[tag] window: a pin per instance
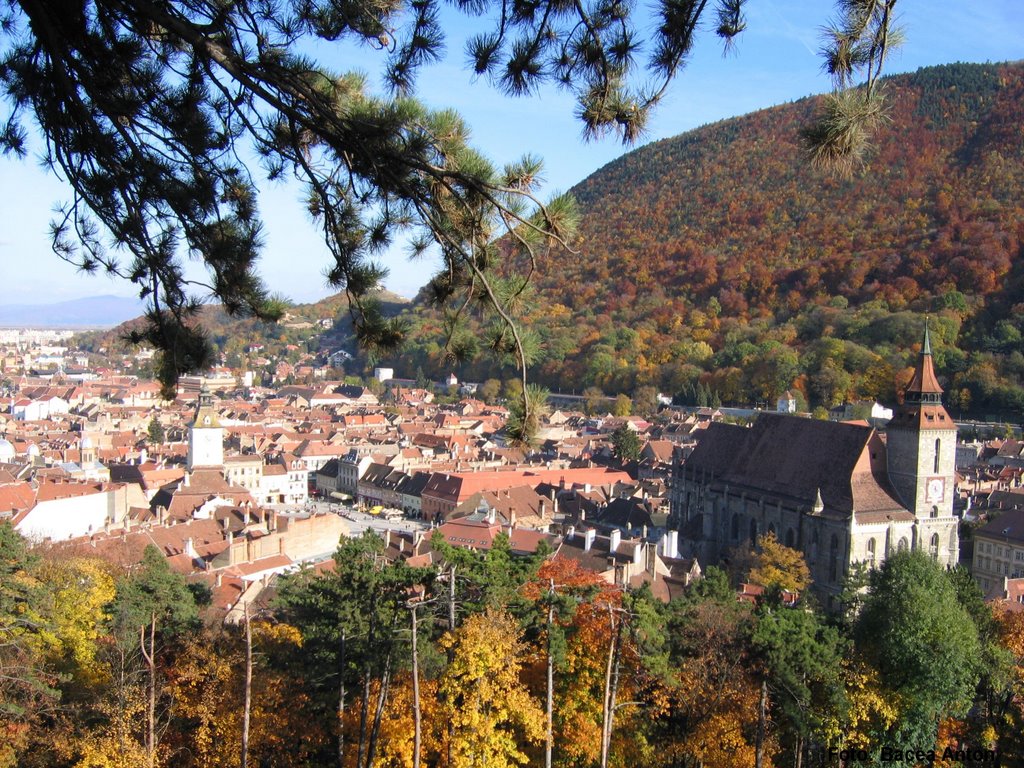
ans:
(789, 538)
(933, 547)
(871, 552)
(833, 558)
(735, 526)
(753, 531)
(904, 545)
(938, 447)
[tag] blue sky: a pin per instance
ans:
(775, 61)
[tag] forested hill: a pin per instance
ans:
(720, 256)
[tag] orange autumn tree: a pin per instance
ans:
(712, 713)
(601, 687)
(565, 593)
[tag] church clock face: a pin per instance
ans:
(935, 490)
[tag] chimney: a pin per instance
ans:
(543, 508)
(588, 539)
(190, 548)
(220, 579)
(570, 533)
(670, 545)
(614, 539)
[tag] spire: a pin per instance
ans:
(924, 386)
(819, 505)
(922, 399)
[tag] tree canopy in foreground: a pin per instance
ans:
(149, 110)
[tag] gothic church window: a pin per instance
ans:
(871, 552)
(938, 446)
(833, 558)
(933, 547)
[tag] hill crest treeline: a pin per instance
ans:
(720, 257)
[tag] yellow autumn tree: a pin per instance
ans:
(80, 590)
(395, 744)
(779, 566)
(207, 686)
(491, 713)
(114, 742)
(872, 709)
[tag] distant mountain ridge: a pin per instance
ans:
(720, 258)
(89, 312)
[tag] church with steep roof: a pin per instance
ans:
(840, 492)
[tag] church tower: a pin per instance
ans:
(205, 435)
(921, 457)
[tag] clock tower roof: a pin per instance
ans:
(206, 415)
(922, 399)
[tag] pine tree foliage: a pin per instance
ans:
(150, 109)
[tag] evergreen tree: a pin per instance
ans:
(924, 644)
(156, 432)
(626, 444)
(147, 108)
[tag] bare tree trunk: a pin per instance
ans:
(364, 707)
(382, 696)
(341, 702)
(759, 744)
(150, 658)
(610, 685)
(416, 738)
(451, 598)
(248, 687)
(613, 694)
(550, 738)
(451, 653)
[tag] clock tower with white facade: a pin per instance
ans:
(921, 458)
(205, 435)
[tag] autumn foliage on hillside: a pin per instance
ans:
(720, 259)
